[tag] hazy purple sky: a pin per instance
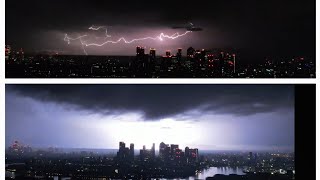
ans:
(211, 117)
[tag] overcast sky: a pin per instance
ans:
(259, 28)
(210, 117)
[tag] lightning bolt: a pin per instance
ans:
(84, 44)
(97, 28)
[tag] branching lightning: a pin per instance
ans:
(84, 44)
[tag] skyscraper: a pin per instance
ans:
(124, 153)
(140, 51)
(132, 151)
(140, 65)
(186, 151)
(122, 145)
(153, 150)
(152, 53)
(173, 148)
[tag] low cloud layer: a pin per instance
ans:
(161, 101)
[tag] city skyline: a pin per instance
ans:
(209, 117)
(261, 29)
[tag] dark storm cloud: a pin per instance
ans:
(160, 101)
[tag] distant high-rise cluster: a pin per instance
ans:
(14, 55)
(167, 153)
(198, 63)
(172, 162)
(146, 154)
(125, 153)
(172, 152)
(7, 52)
(18, 148)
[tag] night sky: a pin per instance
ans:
(256, 28)
(209, 117)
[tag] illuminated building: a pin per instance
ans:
(140, 64)
(203, 53)
(21, 55)
(178, 155)
(174, 147)
(7, 51)
(140, 51)
(193, 155)
(199, 62)
(151, 63)
(19, 148)
(221, 63)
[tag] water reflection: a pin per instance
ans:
(215, 170)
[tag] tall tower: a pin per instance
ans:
(153, 150)
(122, 145)
(152, 53)
(186, 151)
(162, 148)
(140, 51)
(132, 151)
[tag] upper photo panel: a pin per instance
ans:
(160, 39)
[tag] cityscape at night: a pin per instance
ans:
(23, 162)
(216, 63)
(176, 39)
(137, 132)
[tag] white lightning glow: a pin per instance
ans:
(97, 28)
(84, 44)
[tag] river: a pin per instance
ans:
(205, 173)
(214, 170)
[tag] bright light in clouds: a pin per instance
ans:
(145, 132)
(43, 124)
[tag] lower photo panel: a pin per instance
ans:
(160, 131)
